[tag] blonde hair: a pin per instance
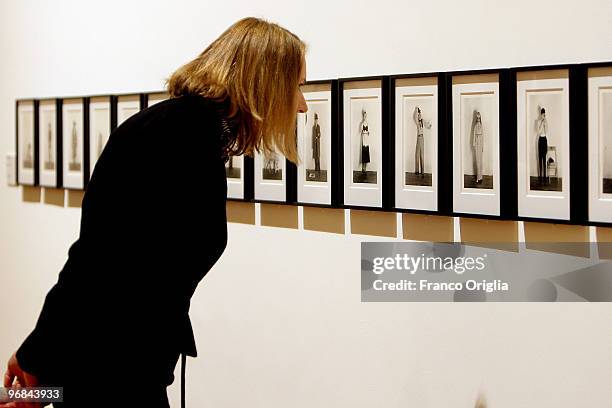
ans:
(254, 66)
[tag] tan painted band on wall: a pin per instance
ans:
(432, 228)
(75, 198)
(377, 223)
(97, 99)
(54, 196)
(31, 194)
(600, 72)
(545, 74)
(537, 234)
(73, 100)
(496, 234)
(419, 81)
(279, 215)
(128, 98)
(240, 212)
(159, 95)
(316, 87)
(475, 79)
(324, 219)
(375, 83)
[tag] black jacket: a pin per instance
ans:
(153, 223)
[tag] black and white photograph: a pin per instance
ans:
(600, 144)
(47, 137)
(234, 173)
(365, 169)
(416, 143)
(544, 158)
(362, 143)
(476, 144)
(26, 142)
(270, 174)
(543, 145)
(606, 142)
(127, 105)
(233, 167)
(272, 169)
(73, 143)
(314, 135)
(99, 128)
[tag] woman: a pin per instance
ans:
(477, 144)
(365, 147)
(112, 327)
(542, 146)
(419, 153)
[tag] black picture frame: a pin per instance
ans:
(577, 92)
(336, 177)
(35, 167)
(57, 102)
(443, 152)
(112, 121)
(386, 183)
(116, 100)
(503, 119)
(85, 145)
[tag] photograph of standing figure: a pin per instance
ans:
(542, 131)
(416, 143)
(50, 162)
(365, 135)
(477, 144)
(546, 153)
(476, 131)
(28, 159)
(271, 169)
(419, 153)
(75, 164)
(231, 169)
(316, 174)
(364, 176)
(316, 143)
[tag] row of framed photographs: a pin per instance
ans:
(514, 143)
(58, 141)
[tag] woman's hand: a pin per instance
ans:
(16, 377)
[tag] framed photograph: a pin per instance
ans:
(26, 143)
(543, 144)
(362, 140)
(315, 135)
(127, 105)
(156, 97)
(600, 144)
(50, 146)
(99, 127)
(476, 178)
(73, 143)
(234, 173)
(270, 177)
(416, 143)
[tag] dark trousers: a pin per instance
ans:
(542, 150)
(118, 392)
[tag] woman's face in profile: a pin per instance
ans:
(301, 102)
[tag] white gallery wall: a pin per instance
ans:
(277, 325)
